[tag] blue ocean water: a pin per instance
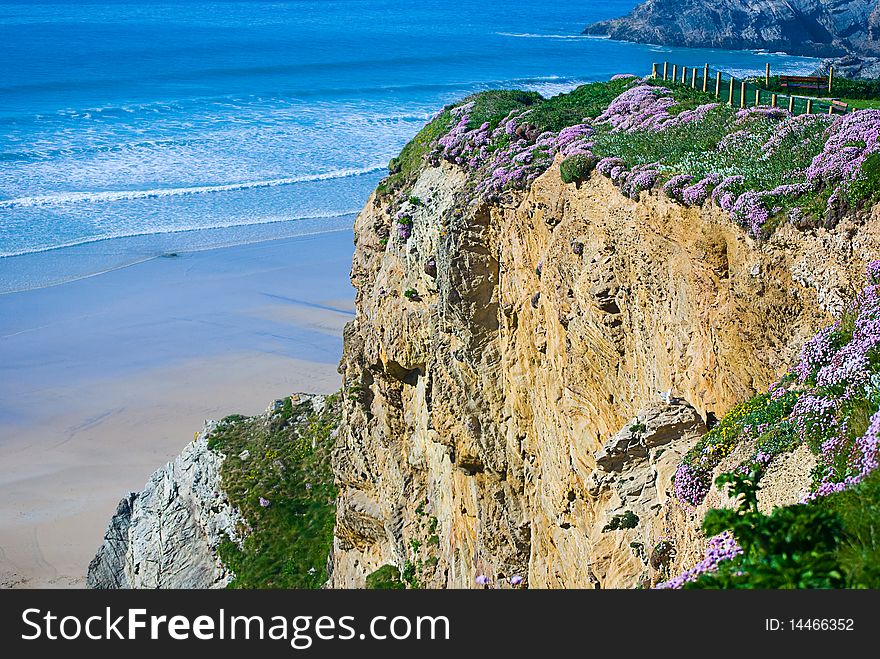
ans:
(131, 129)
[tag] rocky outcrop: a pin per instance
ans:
(851, 66)
(493, 421)
(813, 28)
(167, 535)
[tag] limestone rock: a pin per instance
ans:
(167, 535)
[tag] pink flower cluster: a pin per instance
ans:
(575, 140)
(762, 112)
(692, 484)
(851, 138)
(515, 165)
(630, 181)
(795, 130)
(646, 107)
(842, 367)
(696, 194)
(721, 547)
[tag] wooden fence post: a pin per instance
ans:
(791, 104)
(757, 97)
(654, 70)
(694, 78)
(705, 78)
(730, 98)
(767, 75)
(772, 100)
(665, 70)
(830, 77)
(742, 94)
(809, 106)
(831, 109)
(675, 73)
(717, 84)
(684, 75)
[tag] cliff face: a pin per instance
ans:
(815, 28)
(167, 535)
(502, 414)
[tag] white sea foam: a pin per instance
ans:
(183, 229)
(529, 35)
(64, 198)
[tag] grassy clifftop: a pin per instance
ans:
(762, 165)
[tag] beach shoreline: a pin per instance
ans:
(105, 379)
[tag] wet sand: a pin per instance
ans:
(105, 379)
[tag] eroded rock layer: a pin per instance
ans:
(503, 375)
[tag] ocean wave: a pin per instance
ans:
(183, 229)
(529, 35)
(65, 198)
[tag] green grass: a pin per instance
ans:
(861, 104)
(493, 106)
(386, 577)
(586, 101)
(289, 465)
(843, 88)
(859, 550)
(404, 169)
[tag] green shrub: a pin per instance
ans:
(793, 547)
(577, 168)
(626, 520)
(866, 188)
(493, 106)
(386, 577)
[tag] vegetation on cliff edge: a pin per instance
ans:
(830, 403)
(277, 472)
(762, 165)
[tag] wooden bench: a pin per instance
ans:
(809, 82)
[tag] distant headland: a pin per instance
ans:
(845, 32)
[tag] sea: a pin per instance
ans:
(132, 130)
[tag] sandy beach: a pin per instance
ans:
(105, 379)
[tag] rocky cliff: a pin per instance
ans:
(248, 504)
(504, 372)
(167, 535)
(813, 28)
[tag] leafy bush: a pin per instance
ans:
(386, 577)
(793, 547)
(577, 168)
(626, 520)
(859, 550)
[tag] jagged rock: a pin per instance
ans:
(850, 66)
(813, 28)
(167, 535)
(653, 427)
